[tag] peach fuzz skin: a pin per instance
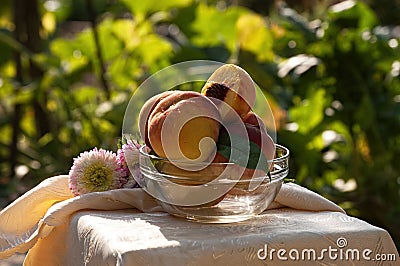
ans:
(145, 112)
(252, 118)
(234, 86)
(177, 107)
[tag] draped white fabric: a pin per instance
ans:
(128, 227)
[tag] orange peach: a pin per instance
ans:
(234, 86)
(184, 126)
(253, 119)
(191, 178)
(145, 112)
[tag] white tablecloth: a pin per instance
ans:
(128, 237)
(128, 227)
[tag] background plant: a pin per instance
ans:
(331, 74)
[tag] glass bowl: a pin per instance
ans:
(217, 193)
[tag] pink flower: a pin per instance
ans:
(122, 163)
(128, 159)
(95, 170)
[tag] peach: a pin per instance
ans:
(253, 119)
(145, 112)
(184, 126)
(245, 173)
(258, 136)
(191, 178)
(234, 86)
(261, 162)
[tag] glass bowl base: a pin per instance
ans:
(232, 208)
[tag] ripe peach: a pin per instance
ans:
(258, 136)
(253, 119)
(184, 126)
(245, 173)
(258, 164)
(145, 112)
(234, 86)
(193, 178)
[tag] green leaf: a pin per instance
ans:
(356, 14)
(125, 31)
(365, 113)
(215, 27)
(153, 48)
(254, 36)
(85, 94)
(143, 8)
(310, 112)
(244, 152)
(72, 54)
(111, 47)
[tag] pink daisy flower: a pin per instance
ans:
(95, 170)
(127, 156)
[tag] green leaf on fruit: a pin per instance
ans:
(244, 152)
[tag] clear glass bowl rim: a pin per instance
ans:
(275, 160)
(275, 175)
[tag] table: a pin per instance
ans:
(129, 227)
(278, 236)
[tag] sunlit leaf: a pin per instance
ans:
(49, 22)
(110, 46)
(124, 30)
(123, 69)
(310, 112)
(61, 48)
(85, 41)
(149, 6)
(254, 36)
(85, 94)
(152, 48)
(70, 54)
(215, 27)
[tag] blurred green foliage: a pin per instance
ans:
(331, 76)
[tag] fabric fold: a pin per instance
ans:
(49, 204)
(297, 197)
(21, 220)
